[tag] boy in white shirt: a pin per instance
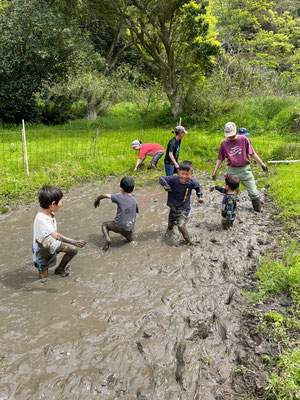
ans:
(47, 242)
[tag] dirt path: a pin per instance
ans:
(158, 320)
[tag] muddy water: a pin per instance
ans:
(157, 320)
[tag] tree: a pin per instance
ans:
(36, 47)
(172, 35)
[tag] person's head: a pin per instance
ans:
(136, 145)
(127, 184)
(50, 197)
(180, 132)
(231, 182)
(185, 171)
(243, 132)
(230, 130)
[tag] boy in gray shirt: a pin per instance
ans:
(126, 214)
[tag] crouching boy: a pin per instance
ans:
(47, 242)
(126, 214)
(179, 190)
(229, 202)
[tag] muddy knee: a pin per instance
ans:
(70, 249)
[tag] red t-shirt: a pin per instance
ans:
(149, 149)
(236, 151)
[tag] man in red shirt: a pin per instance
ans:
(156, 151)
(237, 148)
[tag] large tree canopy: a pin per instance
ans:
(36, 47)
(172, 35)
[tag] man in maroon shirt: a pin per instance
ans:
(156, 151)
(237, 148)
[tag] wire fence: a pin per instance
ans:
(47, 147)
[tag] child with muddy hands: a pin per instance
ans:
(229, 202)
(126, 213)
(47, 242)
(179, 190)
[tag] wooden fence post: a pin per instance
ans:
(96, 139)
(25, 158)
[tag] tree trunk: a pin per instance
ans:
(174, 97)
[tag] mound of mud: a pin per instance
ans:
(157, 320)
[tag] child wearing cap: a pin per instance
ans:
(229, 201)
(172, 153)
(244, 132)
(156, 151)
(237, 148)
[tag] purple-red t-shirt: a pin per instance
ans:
(236, 151)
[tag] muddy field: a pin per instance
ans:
(154, 320)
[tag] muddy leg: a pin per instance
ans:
(43, 274)
(182, 229)
(105, 231)
(127, 234)
(71, 252)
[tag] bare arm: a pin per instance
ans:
(139, 161)
(59, 236)
(260, 162)
(173, 159)
(218, 163)
(101, 197)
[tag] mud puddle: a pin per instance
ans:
(157, 320)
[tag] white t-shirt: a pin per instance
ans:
(43, 226)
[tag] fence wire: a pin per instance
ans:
(47, 148)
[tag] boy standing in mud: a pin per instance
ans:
(179, 190)
(229, 201)
(126, 214)
(47, 242)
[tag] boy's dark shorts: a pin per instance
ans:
(178, 215)
(45, 264)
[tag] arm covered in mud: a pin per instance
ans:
(198, 191)
(74, 242)
(219, 188)
(218, 164)
(164, 181)
(101, 197)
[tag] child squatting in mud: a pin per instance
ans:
(47, 242)
(229, 202)
(179, 190)
(126, 214)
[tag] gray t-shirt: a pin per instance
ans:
(127, 209)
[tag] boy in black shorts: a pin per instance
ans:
(229, 202)
(179, 190)
(126, 213)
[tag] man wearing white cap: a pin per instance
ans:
(237, 148)
(156, 151)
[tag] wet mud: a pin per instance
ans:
(155, 320)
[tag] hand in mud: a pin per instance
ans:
(80, 243)
(168, 188)
(265, 168)
(97, 202)
(211, 189)
(214, 177)
(200, 200)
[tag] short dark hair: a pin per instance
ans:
(127, 184)
(186, 166)
(48, 194)
(232, 181)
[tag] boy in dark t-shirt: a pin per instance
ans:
(126, 214)
(179, 190)
(229, 202)
(172, 153)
